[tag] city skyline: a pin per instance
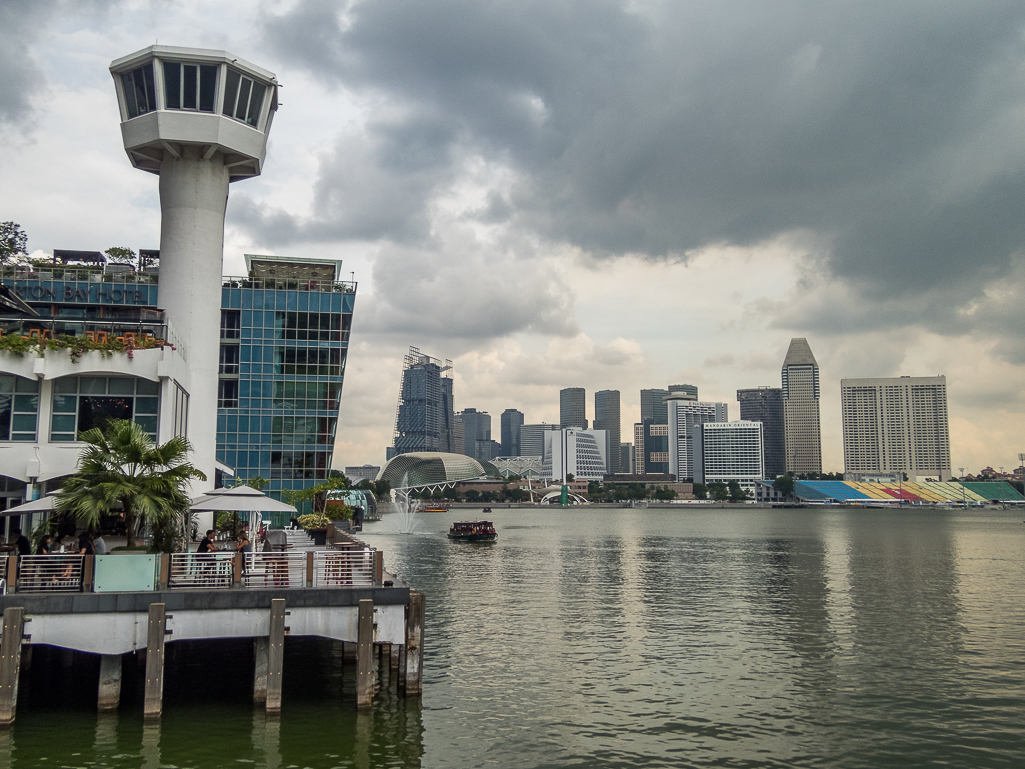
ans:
(468, 210)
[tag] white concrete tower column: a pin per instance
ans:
(199, 119)
(193, 196)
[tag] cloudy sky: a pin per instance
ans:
(612, 195)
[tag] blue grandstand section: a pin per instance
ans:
(806, 491)
(838, 490)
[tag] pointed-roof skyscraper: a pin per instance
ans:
(801, 409)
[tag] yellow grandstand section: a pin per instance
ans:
(871, 490)
(922, 491)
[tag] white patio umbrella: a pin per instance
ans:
(43, 504)
(241, 499)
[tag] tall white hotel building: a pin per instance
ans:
(896, 425)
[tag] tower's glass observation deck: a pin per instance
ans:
(172, 96)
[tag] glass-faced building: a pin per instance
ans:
(284, 334)
(284, 339)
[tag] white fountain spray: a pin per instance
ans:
(407, 507)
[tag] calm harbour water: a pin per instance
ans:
(628, 638)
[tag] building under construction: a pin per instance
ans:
(424, 419)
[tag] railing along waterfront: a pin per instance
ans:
(342, 567)
(275, 570)
(210, 571)
(49, 573)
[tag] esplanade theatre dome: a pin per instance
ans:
(427, 468)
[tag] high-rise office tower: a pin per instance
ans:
(896, 425)
(477, 435)
(458, 436)
(573, 407)
(684, 414)
(448, 414)
(803, 435)
(512, 421)
(420, 419)
(651, 447)
(626, 458)
(639, 431)
(691, 391)
(653, 407)
(532, 439)
(606, 417)
(765, 405)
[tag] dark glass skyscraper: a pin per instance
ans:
(512, 421)
(765, 405)
(653, 406)
(477, 435)
(607, 417)
(573, 407)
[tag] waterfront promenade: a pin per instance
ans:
(120, 605)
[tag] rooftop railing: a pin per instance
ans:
(78, 274)
(152, 277)
(141, 333)
(290, 284)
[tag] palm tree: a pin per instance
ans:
(122, 465)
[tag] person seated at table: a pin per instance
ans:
(99, 545)
(21, 542)
(85, 545)
(43, 548)
(206, 545)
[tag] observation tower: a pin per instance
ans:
(198, 119)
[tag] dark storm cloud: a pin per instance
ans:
(20, 76)
(891, 130)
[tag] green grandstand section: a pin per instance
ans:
(995, 491)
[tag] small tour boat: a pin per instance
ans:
(473, 531)
(435, 507)
(486, 510)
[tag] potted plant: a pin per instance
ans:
(316, 525)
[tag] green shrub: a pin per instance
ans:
(314, 521)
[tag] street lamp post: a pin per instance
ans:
(964, 502)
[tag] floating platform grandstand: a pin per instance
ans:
(926, 493)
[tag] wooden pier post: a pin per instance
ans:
(275, 654)
(10, 662)
(393, 652)
(109, 694)
(414, 644)
(260, 650)
(365, 655)
(153, 700)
